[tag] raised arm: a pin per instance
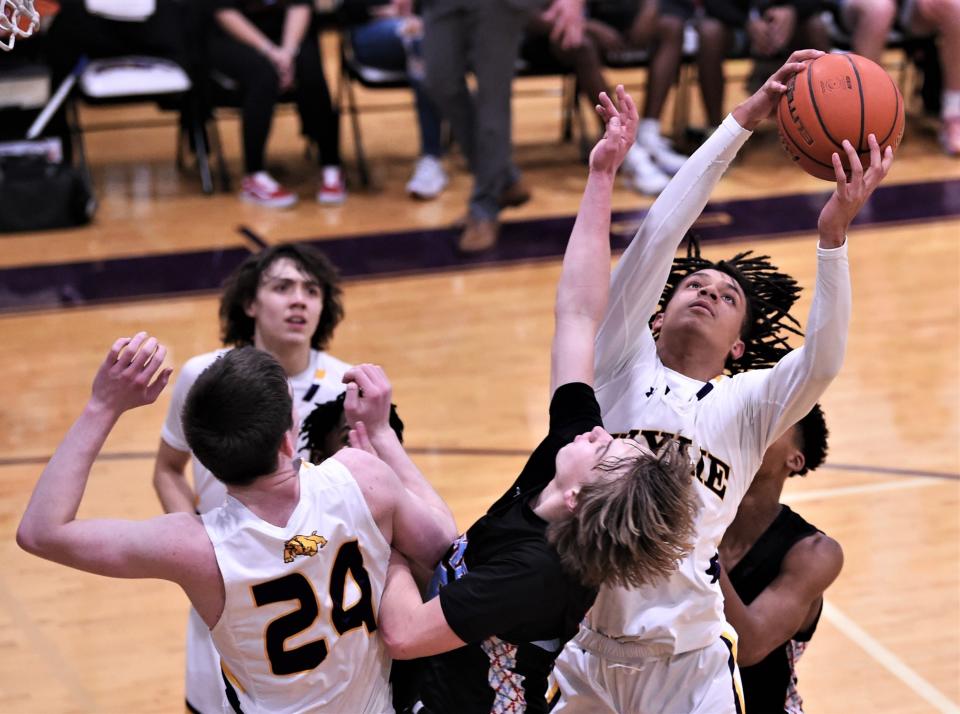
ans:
(784, 394)
(639, 277)
(789, 604)
(584, 284)
(49, 527)
(367, 404)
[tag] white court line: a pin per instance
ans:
(789, 498)
(897, 667)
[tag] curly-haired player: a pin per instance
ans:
(776, 567)
(667, 648)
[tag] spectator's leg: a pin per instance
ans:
(664, 65)
(944, 16)
(715, 40)
(320, 121)
(498, 29)
(585, 61)
(446, 42)
(259, 87)
(869, 23)
(378, 44)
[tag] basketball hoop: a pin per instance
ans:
(18, 18)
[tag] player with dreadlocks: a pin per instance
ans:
(712, 368)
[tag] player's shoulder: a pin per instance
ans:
(366, 469)
(333, 366)
(192, 368)
(818, 553)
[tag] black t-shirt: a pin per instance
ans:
(766, 683)
(503, 591)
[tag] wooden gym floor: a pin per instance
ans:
(468, 353)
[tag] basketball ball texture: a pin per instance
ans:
(837, 97)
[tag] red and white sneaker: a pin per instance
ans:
(261, 189)
(333, 190)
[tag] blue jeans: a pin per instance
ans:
(378, 44)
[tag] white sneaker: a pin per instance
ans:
(646, 177)
(428, 180)
(662, 153)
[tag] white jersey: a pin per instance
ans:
(728, 422)
(298, 629)
(318, 383)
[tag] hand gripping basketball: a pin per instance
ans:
(835, 98)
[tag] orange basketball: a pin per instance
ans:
(837, 97)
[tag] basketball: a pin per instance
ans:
(837, 97)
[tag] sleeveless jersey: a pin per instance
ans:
(726, 423)
(319, 383)
(771, 684)
(298, 629)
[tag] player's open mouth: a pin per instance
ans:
(700, 304)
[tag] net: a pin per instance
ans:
(18, 18)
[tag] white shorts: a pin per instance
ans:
(704, 681)
(204, 684)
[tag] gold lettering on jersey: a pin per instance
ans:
(305, 545)
(709, 470)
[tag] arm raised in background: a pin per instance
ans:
(584, 285)
(367, 410)
(638, 280)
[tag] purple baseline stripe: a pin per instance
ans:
(419, 251)
(72, 284)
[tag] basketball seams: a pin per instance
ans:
(896, 112)
(787, 135)
(863, 106)
(816, 109)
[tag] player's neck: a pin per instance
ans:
(293, 358)
(692, 360)
(548, 504)
(272, 498)
(757, 512)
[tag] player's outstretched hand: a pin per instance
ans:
(618, 137)
(852, 192)
(368, 397)
(763, 103)
(125, 380)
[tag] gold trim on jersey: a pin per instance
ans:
(230, 676)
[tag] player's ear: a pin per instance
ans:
(570, 498)
(288, 447)
(796, 461)
(736, 352)
(657, 322)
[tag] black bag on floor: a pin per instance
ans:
(38, 194)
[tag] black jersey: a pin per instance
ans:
(771, 684)
(503, 591)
